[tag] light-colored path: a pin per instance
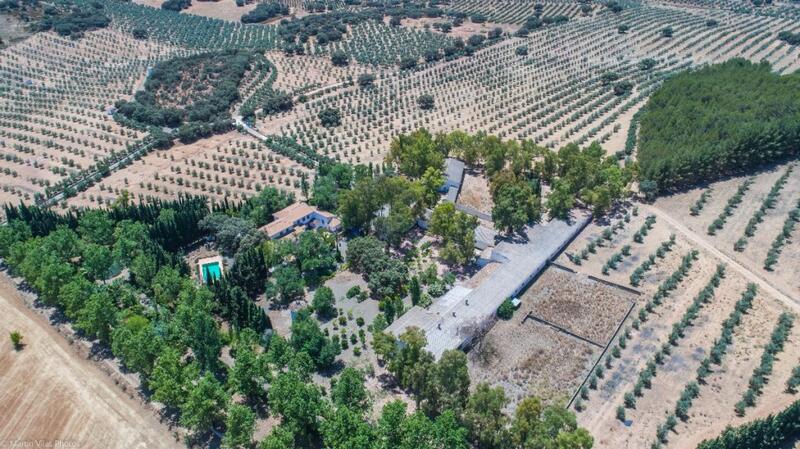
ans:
(763, 285)
(51, 395)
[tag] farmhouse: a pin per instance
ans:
(297, 215)
(462, 315)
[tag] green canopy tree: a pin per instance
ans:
(239, 426)
(204, 408)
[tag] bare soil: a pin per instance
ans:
(475, 192)
(52, 394)
(786, 274)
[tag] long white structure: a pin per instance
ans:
(456, 319)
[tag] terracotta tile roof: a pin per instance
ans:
(294, 212)
(285, 218)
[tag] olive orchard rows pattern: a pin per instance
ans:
(552, 92)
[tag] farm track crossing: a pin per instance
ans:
(793, 304)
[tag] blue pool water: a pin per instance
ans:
(211, 271)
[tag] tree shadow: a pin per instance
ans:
(331, 371)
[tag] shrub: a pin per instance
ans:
(340, 58)
(366, 79)
(506, 310)
(425, 102)
(16, 340)
(353, 291)
(330, 117)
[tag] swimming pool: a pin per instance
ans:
(211, 271)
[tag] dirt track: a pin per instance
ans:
(50, 395)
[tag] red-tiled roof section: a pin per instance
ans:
(285, 218)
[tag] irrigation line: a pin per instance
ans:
(563, 267)
(560, 329)
(613, 337)
(614, 284)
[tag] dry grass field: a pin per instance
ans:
(578, 304)
(531, 359)
(52, 394)
(542, 359)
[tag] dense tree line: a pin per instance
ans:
(717, 121)
(265, 11)
(65, 18)
(772, 432)
(172, 224)
(176, 5)
(192, 93)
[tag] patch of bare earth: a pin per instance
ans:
(475, 192)
(529, 358)
(51, 394)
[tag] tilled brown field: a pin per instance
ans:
(50, 395)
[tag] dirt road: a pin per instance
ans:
(763, 285)
(51, 395)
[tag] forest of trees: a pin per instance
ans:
(166, 327)
(198, 111)
(717, 121)
(65, 17)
